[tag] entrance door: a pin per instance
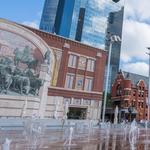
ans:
(77, 113)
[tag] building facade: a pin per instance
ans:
(81, 20)
(68, 76)
(129, 93)
(78, 78)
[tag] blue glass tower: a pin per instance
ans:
(49, 15)
(57, 16)
(115, 23)
(81, 20)
(114, 26)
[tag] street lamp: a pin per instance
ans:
(112, 39)
(148, 117)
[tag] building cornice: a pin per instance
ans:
(74, 90)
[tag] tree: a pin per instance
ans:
(108, 101)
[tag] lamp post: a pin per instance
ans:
(112, 39)
(148, 103)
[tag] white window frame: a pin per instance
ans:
(91, 65)
(69, 81)
(72, 61)
(88, 84)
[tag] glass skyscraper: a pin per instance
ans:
(57, 16)
(81, 20)
(114, 26)
(49, 15)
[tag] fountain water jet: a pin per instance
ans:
(116, 115)
(68, 141)
(66, 110)
(133, 133)
(56, 109)
(6, 145)
(32, 131)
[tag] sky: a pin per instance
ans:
(136, 28)
(27, 12)
(136, 37)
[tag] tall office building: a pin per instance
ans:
(57, 16)
(115, 23)
(81, 20)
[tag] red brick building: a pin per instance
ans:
(68, 75)
(129, 92)
(77, 77)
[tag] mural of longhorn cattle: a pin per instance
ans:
(20, 62)
(18, 81)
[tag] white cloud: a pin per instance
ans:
(88, 42)
(99, 24)
(102, 4)
(33, 24)
(137, 67)
(138, 9)
(125, 58)
(136, 37)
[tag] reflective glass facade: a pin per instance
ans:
(115, 23)
(82, 20)
(95, 20)
(49, 15)
(57, 16)
(65, 11)
(95, 23)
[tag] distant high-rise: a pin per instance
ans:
(115, 23)
(81, 20)
(49, 15)
(57, 16)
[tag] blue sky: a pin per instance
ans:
(22, 11)
(136, 30)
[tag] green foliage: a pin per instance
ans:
(108, 101)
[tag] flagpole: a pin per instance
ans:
(148, 111)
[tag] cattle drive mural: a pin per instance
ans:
(20, 63)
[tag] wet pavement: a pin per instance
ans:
(82, 139)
